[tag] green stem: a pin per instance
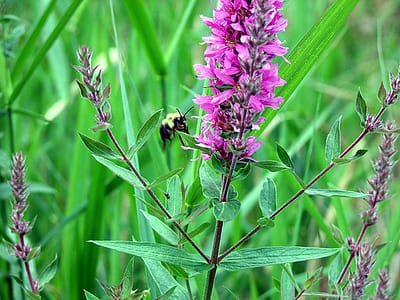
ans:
(300, 192)
(226, 181)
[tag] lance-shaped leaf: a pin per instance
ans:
(287, 283)
(267, 256)
(158, 252)
(98, 148)
(166, 176)
(190, 142)
(90, 296)
(333, 143)
(162, 229)
(268, 197)
(284, 156)
(361, 108)
(382, 93)
(48, 273)
(194, 194)
(145, 132)
(125, 174)
(271, 165)
(335, 193)
(360, 153)
(174, 202)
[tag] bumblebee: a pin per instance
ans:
(172, 123)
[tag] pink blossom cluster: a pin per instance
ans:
(241, 75)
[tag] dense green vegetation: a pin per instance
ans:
(75, 199)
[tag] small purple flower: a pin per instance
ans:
(241, 75)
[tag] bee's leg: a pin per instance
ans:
(180, 138)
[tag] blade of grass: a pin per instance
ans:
(32, 41)
(147, 35)
(145, 230)
(307, 52)
(43, 50)
(179, 31)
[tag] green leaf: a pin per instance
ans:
(284, 156)
(162, 229)
(125, 174)
(298, 178)
(332, 145)
(98, 148)
(226, 211)
(287, 286)
(241, 171)
(268, 256)
(271, 165)
(360, 153)
(266, 221)
(199, 229)
(49, 272)
(195, 212)
(101, 127)
(337, 234)
(191, 142)
(361, 108)
(334, 193)
(90, 296)
(194, 194)
(382, 93)
(127, 280)
(315, 277)
(40, 188)
(145, 132)
(174, 202)
(165, 281)
(167, 294)
(217, 164)
(334, 270)
(35, 251)
(268, 197)
(164, 177)
(158, 252)
(210, 181)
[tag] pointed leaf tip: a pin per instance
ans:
(333, 141)
(284, 156)
(361, 108)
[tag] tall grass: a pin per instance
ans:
(41, 114)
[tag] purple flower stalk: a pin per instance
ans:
(382, 287)
(19, 205)
(364, 263)
(91, 87)
(383, 166)
(241, 75)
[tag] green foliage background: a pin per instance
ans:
(80, 200)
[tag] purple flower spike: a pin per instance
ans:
(241, 75)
